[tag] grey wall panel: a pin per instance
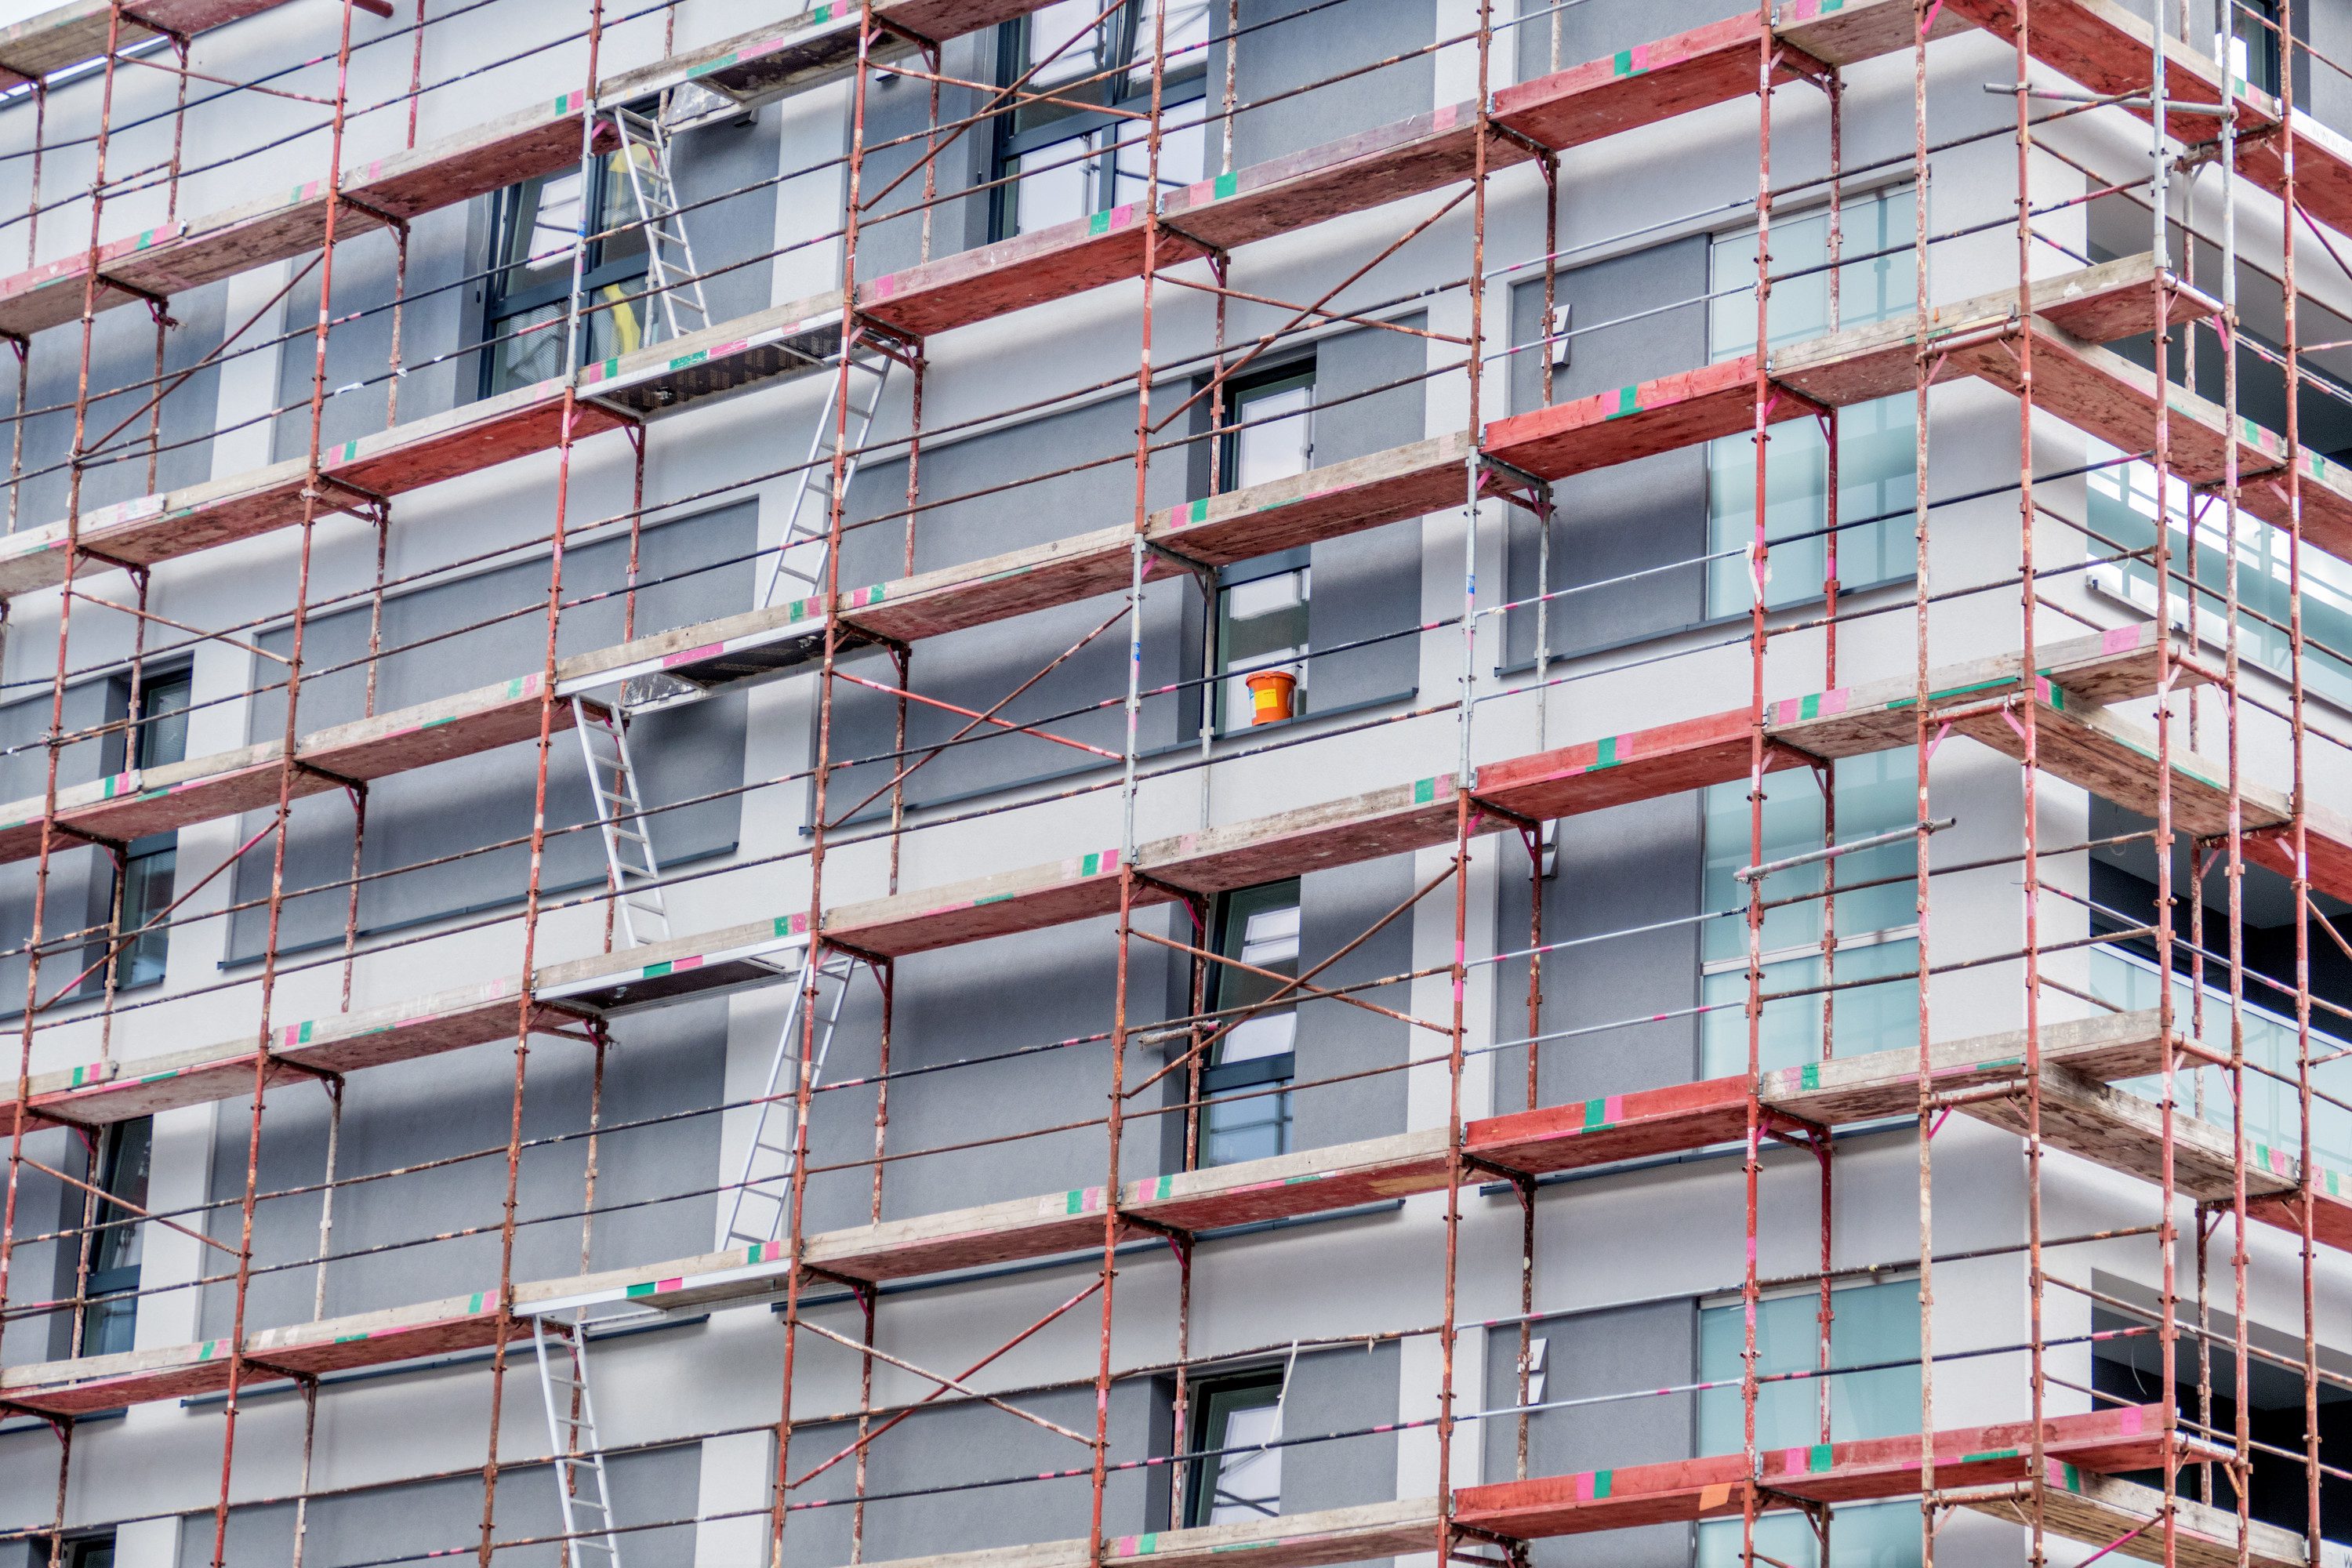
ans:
(1597, 28)
(44, 1270)
(1591, 1353)
(979, 1000)
(1633, 516)
(444, 1516)
(978, 667)
(1340, 1391)
(1338, 907)
(897, 108)
(681, 756)
(731, 167)
(122, 355)
(1630, 865)
(1367, 584)
(358, 349)
(1273, 59)
(81, 880)
(947, 1447)
(665, 1061)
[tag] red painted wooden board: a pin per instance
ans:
(1636, 87)
(2129, 1437)
(1669, 1121)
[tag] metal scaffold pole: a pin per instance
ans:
(315, 498)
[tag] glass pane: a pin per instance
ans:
(1875, 1535)
(1260, 927)
(1256, 1127)
(1056, 184)
(544, 214)
(1872, 286)
(1054, 55)
(2122, 516)
(1181, 150)
(1875, 794)
(125, 1176)
(109, 1325)
(621, 218)
(1865, 1017)
(1875, 444)
(1274, 439)
(1876, 453)
(534, 350)
(617, 327)
(2130, 981)
(1261, 624)
(1188, 27)
(1248, 1486)
(163, 720)
(146, 893)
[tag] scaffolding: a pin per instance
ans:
(2113, 709)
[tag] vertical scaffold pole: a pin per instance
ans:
(804, 1073)
(313, 492)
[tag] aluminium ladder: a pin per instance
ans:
(764, 1188)
(573, 1445)
(671, 269)
(800, 558)
(631, 872)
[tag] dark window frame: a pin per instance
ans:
(1213, 1401)
(118, 1141)
(1107, 102)
(503, 306)
(156, 737)
(1230, 924)
(1277, 378)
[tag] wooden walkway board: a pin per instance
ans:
(49, 41)
(2122, 1132)
(1312, 1540)
(1886, 1083)
(2125, 1438)
(2099, 1511)
(1307, 1182)
(2107, 49)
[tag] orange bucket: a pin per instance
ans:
(1271, 694)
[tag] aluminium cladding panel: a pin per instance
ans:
(417, 1519)
(1636, 869)
(444, 638)
(926, 1475)
(991, 498)
(1289, 44)
(652, 1184)
(1630, 317)
(1589, 1355)
(1016, 993)
(122, 355)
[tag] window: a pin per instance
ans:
(2121, 514)
(1234, 1487)
(156, 736)
(2248, 42)
(1876, 929)
(1872, 1325)
(2131, 981)
(1258, 926)
(1875, 446)
(1262, 604)
(1082, 150)
(531, 226)
(111, 1314)
(90, 1551)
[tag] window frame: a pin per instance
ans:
(501, 305)
(118, 1279)
(1230, 928)
(140, 862)
(1116, 94)
(1291, 376)
(1213, 1402)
